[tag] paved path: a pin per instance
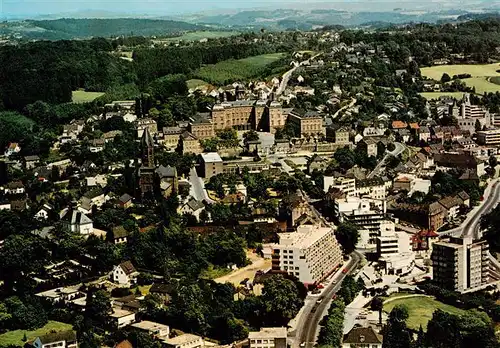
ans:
(350, 105)
(397, 151)
(235, 277)
(286, 76)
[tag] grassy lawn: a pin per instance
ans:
(436, 95)
(199, 35)
(482, 85)
(215, 272)
(477, 70)
(85, 97)
(193, 83)
(16, 337)
(420, 310)
(228, 71)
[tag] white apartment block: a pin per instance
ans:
(346, 185)
(489, 137)
(311, 254)
(268, 337)
(394, 249)
(371, 188)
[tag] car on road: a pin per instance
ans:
(303, 344)
(345, 270)
(319, 301)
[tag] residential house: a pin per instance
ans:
(171, 136)
(12, 149)
(120, 235)
(124, 344)
(97, 145)
(423, 240)
(122, 317)
(61, 294)
(163, 291)
(125, 273)
(94, 197)
(44, 212)
(31, 162)
(317, 163)
(77, 222)
(211, 164)
(14, 188)
(125, 201)
(399, 125)
(437, 214)
(369, 146)
(424, 133)
(373, 188)
(452, 205)
(97, 180)
(362, 337)
(448, 161)
(111, 135)
(152, 328)
(192, 207)
(61, 339)
(190, 143)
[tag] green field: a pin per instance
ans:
(85, 97)
(420, 309)
(16, 337)
(436, 95)
(228, 71)
(193, 83)
(199, 35)
(436, 72)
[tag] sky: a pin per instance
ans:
(17, 8)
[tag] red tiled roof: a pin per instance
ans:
(399, 124)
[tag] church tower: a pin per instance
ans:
(147, 169)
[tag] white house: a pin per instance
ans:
(43, 213)
(14, 188)
(78, 222)
(12, 149)
(61, 339)
(125, 273)
(192, 207)
(122, 318)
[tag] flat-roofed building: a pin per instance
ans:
(184, 341)
(268, 337)
(210, 164)
(460, 264)
(152, 328)
(344, 184)
(311, 254)
(488, 137)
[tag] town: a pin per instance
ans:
(345, 198)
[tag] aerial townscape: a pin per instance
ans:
(291, 181)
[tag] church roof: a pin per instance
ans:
(147, 139)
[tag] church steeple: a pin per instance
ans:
(147, 148)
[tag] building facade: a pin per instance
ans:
(268, 337)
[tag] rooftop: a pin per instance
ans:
(268, 332)
(150, 325)
(362, 335)
(305, 236)
(120, 313)
(211, 157)
(182, 339)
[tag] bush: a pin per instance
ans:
(120, 292)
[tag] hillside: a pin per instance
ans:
(70, 28)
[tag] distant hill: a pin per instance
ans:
(71, 28)
(84, 28)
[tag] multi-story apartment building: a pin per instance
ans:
(460, 264)
(489, 137)
(311, 254)
(268, 337)
(344, 184)
(308, 123)
(373, 188)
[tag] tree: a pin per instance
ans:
(331, 332)
(345, 158)
(493, 162)
(251, 135)
(445, 78)
(281, 300)
(490, 223)
(396, 334)
(377, 304)
(348, 236)
(477, 126)
(98, 308)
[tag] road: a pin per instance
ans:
(350, 105)
(313, 315)
(397, 151)
(470, 226)
(286, 76)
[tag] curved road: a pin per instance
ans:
(288, 74)
(397, 151)
(313, 316)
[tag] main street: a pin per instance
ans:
(307, 328)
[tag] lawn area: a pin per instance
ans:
(482, 85)
(436, 95)
(420, 309)
(228, 71)
(476, 70)
(193, 83)
(199, 35)
(85, 97)
(16, 337)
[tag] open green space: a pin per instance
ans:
(482, 85)
(16, 337)
(475, 70)
(420, 309)
(233, 70)
(193, 83)
(85, 97)
(436, 95)
(199, 35)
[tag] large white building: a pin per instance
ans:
(344, 184)
(394, 249)
(268, 337)
(489, 137)
(311, 254)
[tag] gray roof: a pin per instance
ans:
(166, 172)
(125, 198)
(195, 205)
(76, 217)
(147, 139)
(31, 158)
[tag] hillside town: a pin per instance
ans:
(289, 211)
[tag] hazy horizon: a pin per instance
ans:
(32, 8)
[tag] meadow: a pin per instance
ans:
(85, 97)
(193, 83)
(420, 309)
(436, 95)
(228, 71)
(15, 338)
